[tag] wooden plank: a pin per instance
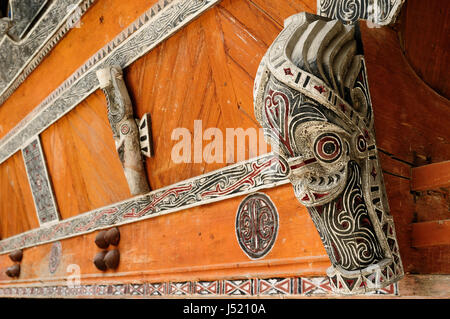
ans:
(17, 213)
(434, 233)
(431, 205)
(420, 286)
(82, 161)
(430, 177)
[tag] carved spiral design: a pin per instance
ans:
(345, 227)
(326, 5)
(351, 10)
(384, 7)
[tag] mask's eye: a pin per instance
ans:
(328, 147)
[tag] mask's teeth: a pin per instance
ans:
(330, 180)
(322, 180)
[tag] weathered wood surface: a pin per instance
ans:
(205, 72)
(430, 177)
(433, 233)
(424, 30)
(420, 286)
(16, 205)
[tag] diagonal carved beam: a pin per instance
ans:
(39, 179)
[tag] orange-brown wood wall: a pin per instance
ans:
(204, 72)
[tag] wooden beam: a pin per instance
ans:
(432, 233)
(424, 286)
(431, 176)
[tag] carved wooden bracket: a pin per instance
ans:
(312, 98)
(125, 129)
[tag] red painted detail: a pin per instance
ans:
(373, 173)
(306, 198)
(349, 282)
(366, 134)
(305, 162)
(320, 148)
(343, 108)
(318, 195)
(326, 286)
(339, 204)
(319, 210)
(173, 191)
(366, 222)
(271, 108)
(288, 71)
(97, 216)
(320, 88)
(249, 179)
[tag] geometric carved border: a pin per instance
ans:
(291, 286)
(39, 180)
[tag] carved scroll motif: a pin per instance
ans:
(381, 12)
(256, 225)
(124, 127)
(312, 98)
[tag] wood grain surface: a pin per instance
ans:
(424, 30)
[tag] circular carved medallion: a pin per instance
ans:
(256, 225)
(55, 257)
(124, 129)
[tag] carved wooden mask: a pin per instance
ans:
(312, 98)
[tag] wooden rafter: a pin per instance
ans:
(432, 176)
(433, 233)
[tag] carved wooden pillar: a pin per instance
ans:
(312, 98)
(124, 127)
